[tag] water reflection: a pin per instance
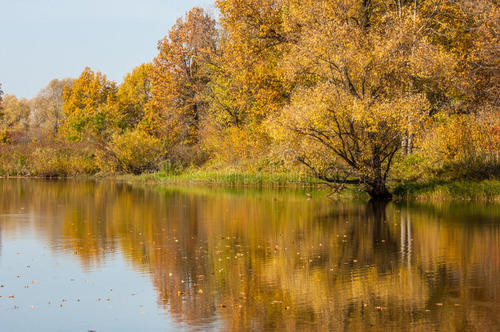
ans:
(248, 260)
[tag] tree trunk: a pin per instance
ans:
(375, 186)
(378, 191)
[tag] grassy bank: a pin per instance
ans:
(232, 178)
(485, 190)
(429, 190)
(226, 178)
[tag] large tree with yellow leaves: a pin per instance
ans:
(370, 67)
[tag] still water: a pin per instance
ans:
(107, 256)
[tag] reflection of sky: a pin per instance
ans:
(59, 276)
(45, 39)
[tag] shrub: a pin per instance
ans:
(52, 158)
(133, 151)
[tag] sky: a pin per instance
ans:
(45, 39)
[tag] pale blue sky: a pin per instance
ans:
(45, 39)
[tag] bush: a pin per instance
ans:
(52, 158)
(464, 146)
(131, 152)
(53, 162)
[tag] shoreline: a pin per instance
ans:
(431, 190)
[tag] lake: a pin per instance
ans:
(107, 256)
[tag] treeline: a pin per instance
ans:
(351, 91)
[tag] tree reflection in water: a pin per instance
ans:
(275, 260)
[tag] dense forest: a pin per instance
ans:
(349, 91)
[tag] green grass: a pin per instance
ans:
(225, 179)
(195, 176)
(485, 190)
(427, 190)
(435, 190)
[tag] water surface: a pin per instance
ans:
(107, 256)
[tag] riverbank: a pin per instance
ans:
(460, 190)
(430, 190)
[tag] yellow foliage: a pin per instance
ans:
(461, 139)
(134, 151)
(89, 106)
(134, 93)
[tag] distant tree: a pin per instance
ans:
(14, 118)
(90, 107)
(481, 72)
(249, 69)
(180, 77)
(134, 94)
(47, 106)
(1, 95)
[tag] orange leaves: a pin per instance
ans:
(180, 75)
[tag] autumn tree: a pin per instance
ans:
(180, 76)
(247, 85)
(14, 118)
(134, 94)
(462, 136)
(360, 64)
(47, 106)
(1, 98)
(90, 106)
(476, 31)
